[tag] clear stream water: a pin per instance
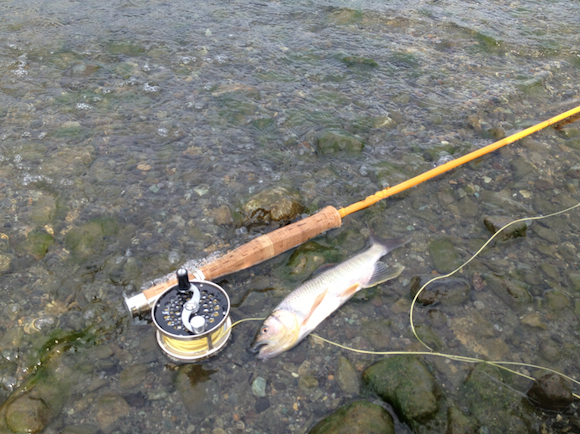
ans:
(125, 124)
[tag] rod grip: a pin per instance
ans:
(262, 248)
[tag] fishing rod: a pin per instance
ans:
(175, 315)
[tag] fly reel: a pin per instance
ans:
(192, 319)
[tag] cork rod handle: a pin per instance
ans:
(262, 248)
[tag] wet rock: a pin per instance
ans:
(347, 377)
(495, 406)
(27, 414)
(221, 215)
(497, 132)
(278, 204)
(495, 223)
(360, 417)
(259, 387)
(550, 350)
(446, 291)
(308, 258)
(377, 333)
(551, 392)
(547, 234)
(5, 261)
(307, 382)
(197, 390)
(331, 142)
(574, 279)
(406, 384)
(38, 243)
(556, 300)
(534, 320)
(443, 255)
(351, 61)
(478, 335)
(459, 423)
(89, 238)
(69, 162)
(511, 291)
(132, 376)
(43, 210)
(262, 404)
(109, 409)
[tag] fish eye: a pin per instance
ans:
(264, 329)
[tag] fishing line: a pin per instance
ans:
(471, 259)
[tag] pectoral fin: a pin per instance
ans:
(319, 298)
(383, 273)
(349, 292)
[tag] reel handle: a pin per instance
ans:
(254, 252)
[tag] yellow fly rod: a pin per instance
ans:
(272, 244)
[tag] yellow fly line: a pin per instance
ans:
(390, 191)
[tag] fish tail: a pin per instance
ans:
(390, 244)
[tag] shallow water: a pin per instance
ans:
(123, 125)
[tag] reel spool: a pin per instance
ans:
(192, 319)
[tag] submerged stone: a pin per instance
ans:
(443, 255)
(109, 409)
(39, 241)
(27, 414)
(495, 405)
(446, 291)
(351, 61)
(89, 238)
(459, 423)
(495, 223)
(405, 383)
(332, 142)
(259, 387)
(551, 392)
(278, 204)
(360, 417)
(347, 377)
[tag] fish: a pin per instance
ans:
(317, 298)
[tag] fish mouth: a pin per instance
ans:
(256, 347)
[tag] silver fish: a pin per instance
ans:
(311, 303)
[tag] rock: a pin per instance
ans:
(443, 255)
(360, 417)
(27, 414)
(331, 142)
(109, 409)
(547, 234)
(493, 404)
(551, 392)
(259, 387)
(347, 377)
(495, 223)
(447, 291)
(44, 210)
(89, 238)
(262, 404)
(221, 215)
(351, 61)
(459, 423)
(556, 300)
(38, 243)
(308, 258)
(198, 391)
(550, 350)
(377, 333)
(278, 204)
(511, 291)
(5, 261)
(534, 320)
(405, 383)
(132, 376)
(478, 335)
(574, 278)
